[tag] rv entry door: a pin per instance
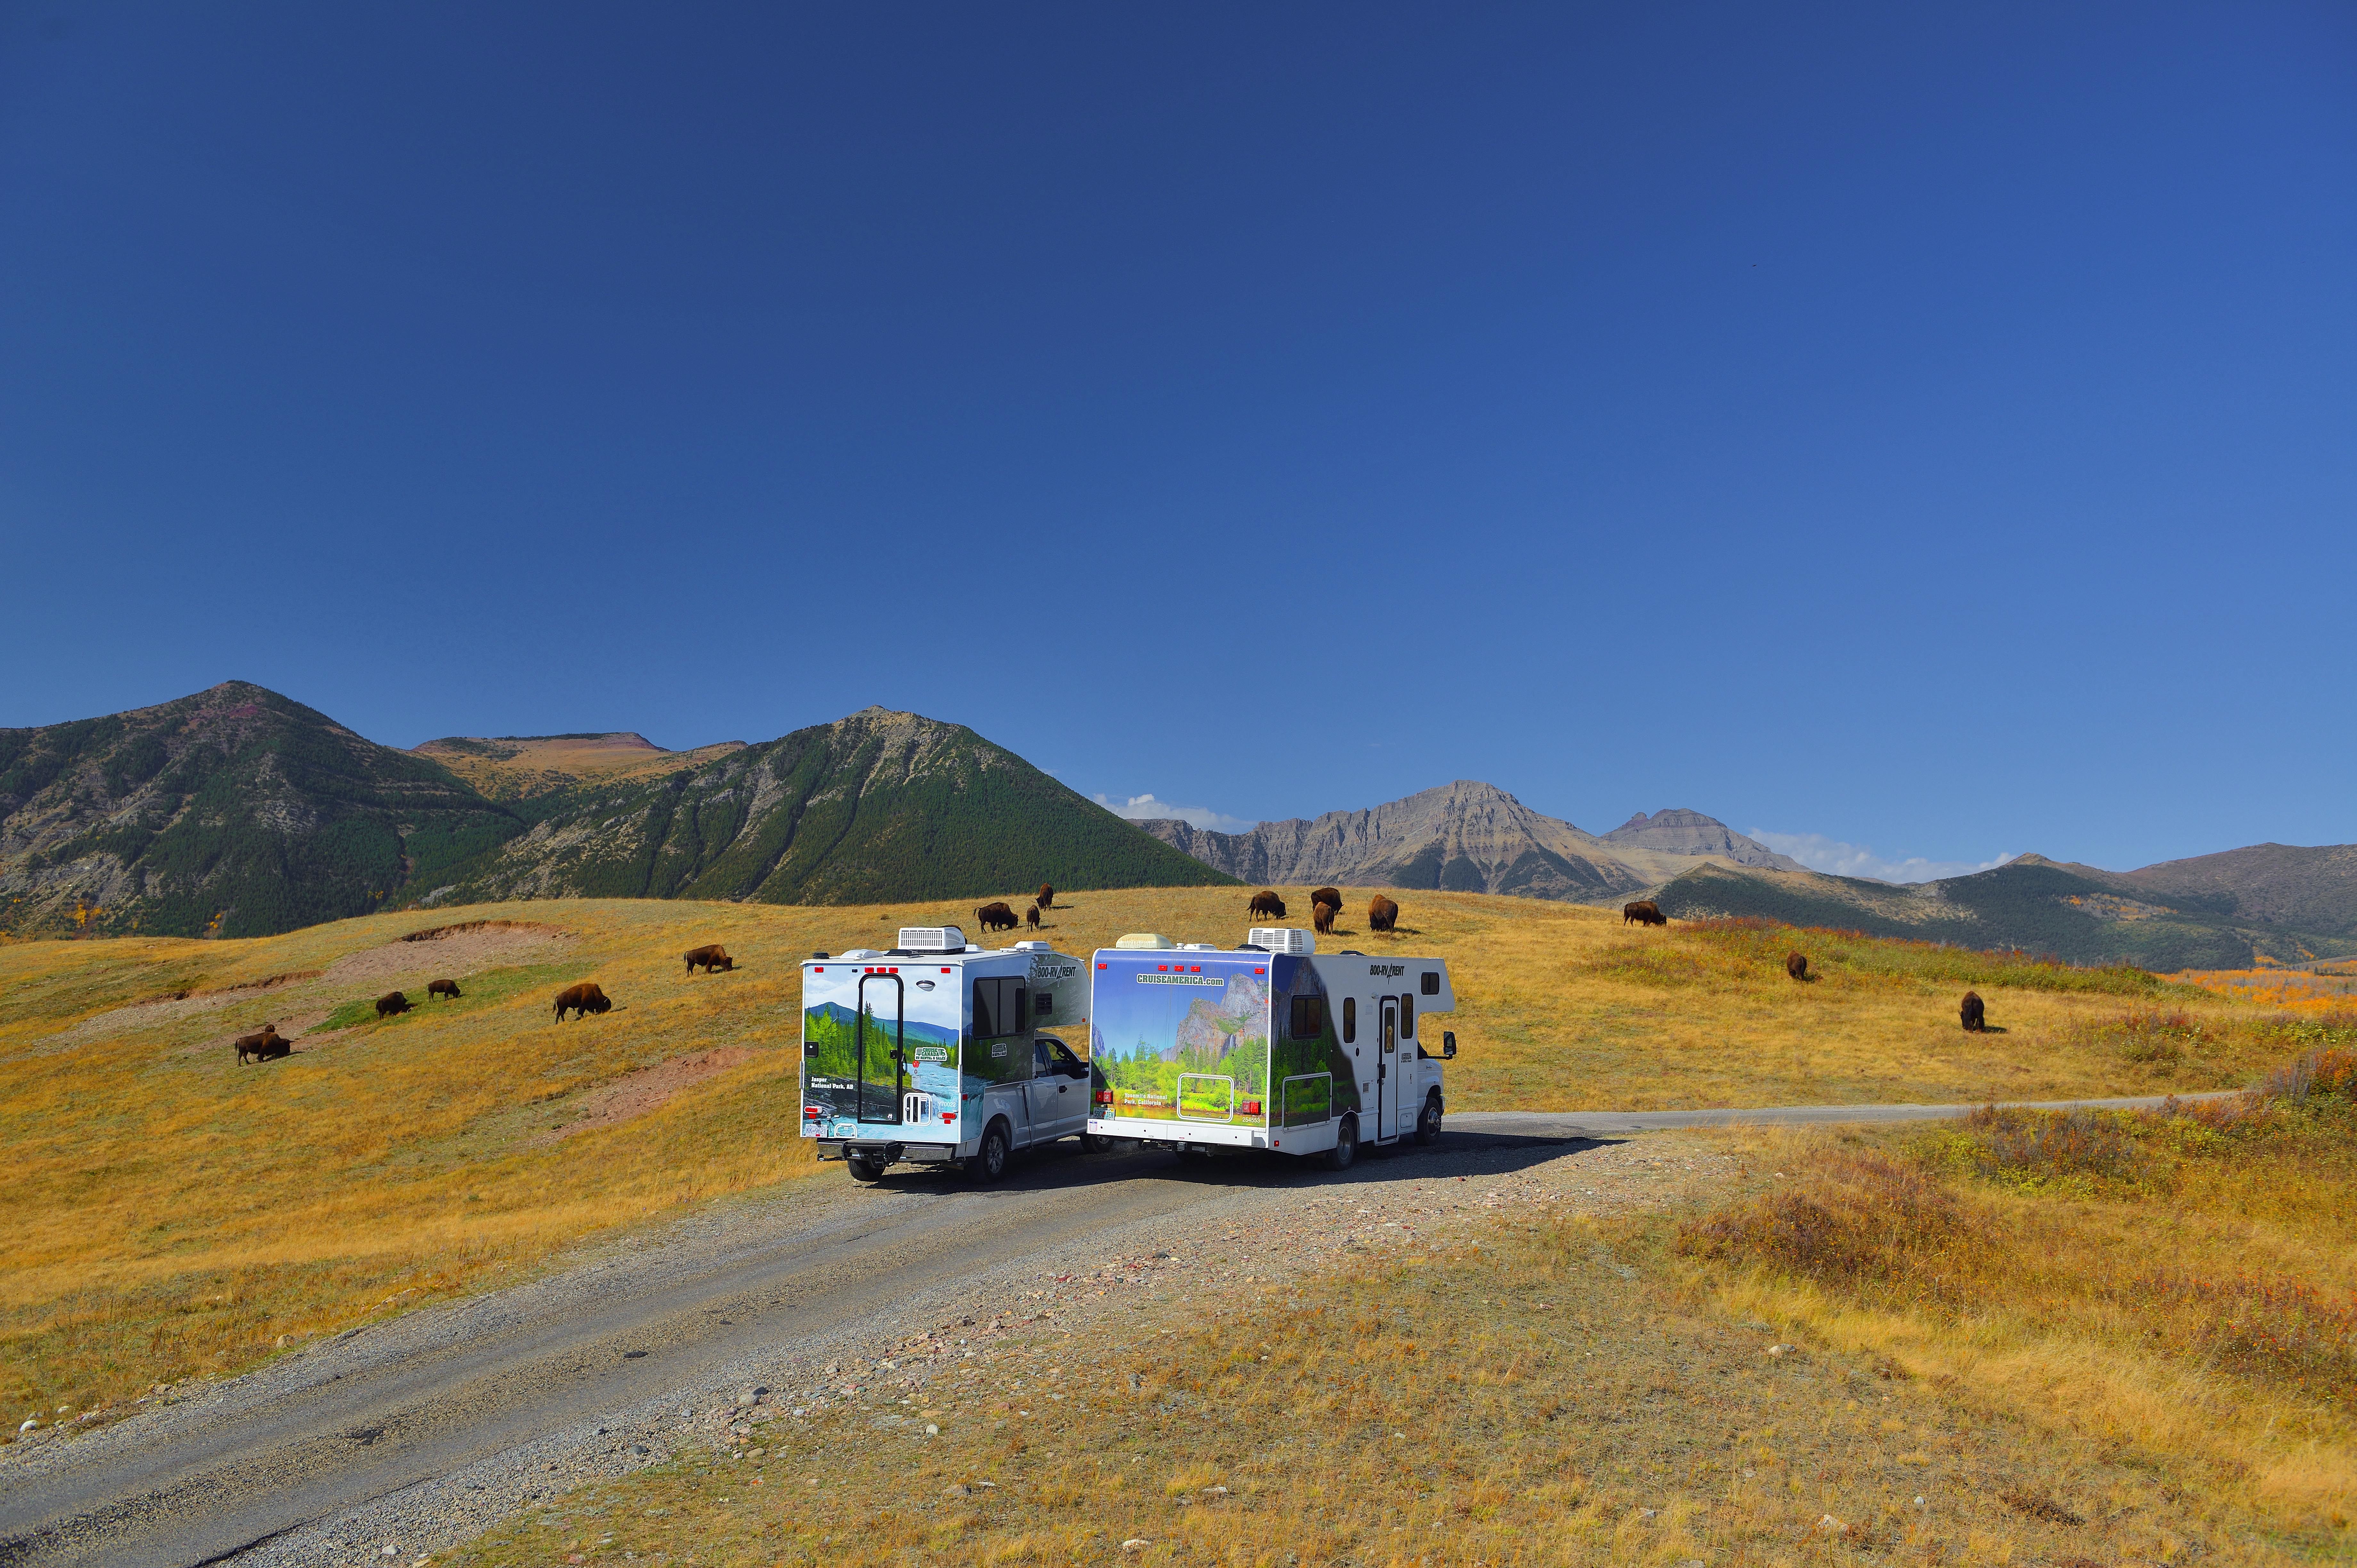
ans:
(881, 1071)
(1387, 1069)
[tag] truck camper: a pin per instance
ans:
(933, 1052)
(1269, 1045)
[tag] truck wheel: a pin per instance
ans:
(1094, 1143)
(1346, 1145)
(1428, 1125)
(990, 1162)
(863, 1169)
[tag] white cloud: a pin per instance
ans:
(1139, 807)
(1836, 858)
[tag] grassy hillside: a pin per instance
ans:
(521, 767)
(234, 812)
(2070, 912)
(171, 1211)
(878, 805)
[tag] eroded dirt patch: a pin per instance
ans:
(452, 951)
(166, 1009)
(649, 1089)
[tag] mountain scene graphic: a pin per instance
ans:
(1214, 1026)
(835, 1018)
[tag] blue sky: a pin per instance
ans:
(1928, 432)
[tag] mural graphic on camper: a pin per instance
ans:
(874, 1048)
(1182, 1042)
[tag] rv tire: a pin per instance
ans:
(990, 1162)
(1346, 1145)
(862, 1168)
(1428, 1125)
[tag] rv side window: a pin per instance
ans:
(1408, 1017)
(1350, 1019)
(1021, 1011)
(1307, 1025)
(999, 1007)
(986, 1009)
(1431, 983)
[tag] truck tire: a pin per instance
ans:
(1427, 1124)
(1346, 1145)
(863, 1169)
(989, 1162)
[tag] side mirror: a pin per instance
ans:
(1447, 1043)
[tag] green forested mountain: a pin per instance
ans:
(879, 807)
(234, 812)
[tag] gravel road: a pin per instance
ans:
(393, 1441)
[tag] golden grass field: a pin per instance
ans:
(172, 1213)
(1527, 1396)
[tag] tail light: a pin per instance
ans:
(949, 1115)
(811, 1112)
(1252, 1106)
(1104, 1097)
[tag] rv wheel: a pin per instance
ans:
(1346, 1145)
(1428, 1126)
(863, 1169)
(990, 1164)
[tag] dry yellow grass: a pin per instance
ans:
(171, 1213)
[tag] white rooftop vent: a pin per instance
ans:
(1282, 939)
(1145, 940)
(1031, 947)
(1198, 947)
(931, 938)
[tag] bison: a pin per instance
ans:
(257, 1046)
(443, 988)
(1797, 965)
(1383, 915)
(1047, 897)
(995, 916)
(1327, 896)
(1265, 902)
(390, 1003)
(1321, 915)
(1031, 917)
(581, 1001)
(1974, 1012)
(713, 958)
(1644, 912)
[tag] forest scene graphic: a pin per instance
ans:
(1190, 1045)
(846, 1060)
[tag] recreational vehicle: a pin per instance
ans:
(934, 1052)
(1270, 1046)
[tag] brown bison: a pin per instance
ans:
(1047, 897)
(1797, 965)
(260, 1046)
(1974, 1012)
(1383, 915)
(392, 1003)
(714, 959)
(443, 988)
(1644, 912)
(581, 1001)
(1265, 902)
(1328, 895)
(1321, 915)
(995, 916)
(1031, 917)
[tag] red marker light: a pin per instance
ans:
(1260, 972)
(1199, 969)
(1163, 968)
(1105, 966)
(945, 969)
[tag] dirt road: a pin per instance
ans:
(395, 1440)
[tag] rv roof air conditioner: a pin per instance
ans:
(1282, 939)
(931, 938)
(1145, 940)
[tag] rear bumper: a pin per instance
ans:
(1150, 1132)
(888, 1153)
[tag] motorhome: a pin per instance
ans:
(1268, 1045)
(936, 1051)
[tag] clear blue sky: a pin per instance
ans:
(1933, 432)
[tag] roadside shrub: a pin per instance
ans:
(1856, 1219)
(2081, 1150)
(2279, 1330)
(2330, 1074)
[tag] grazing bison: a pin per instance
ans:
(995, 916)
(582, 1000)
(391, 1003)
(1327, 896)
(1031, 917)
(1266, 903)
(258, 1044)
(714, 958)
(1383, 915)
(1047, 897)
(1797, 965)
(443, 988)
(1975, 1013)
(1321, 915)
(1644, 912)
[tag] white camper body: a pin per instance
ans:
(1266, 1045)
(937, 1051)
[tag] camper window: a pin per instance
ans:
(1408, 1017)
(1431, 983)
(999, 1008)
(1307, 1025)
(1350, 1019)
